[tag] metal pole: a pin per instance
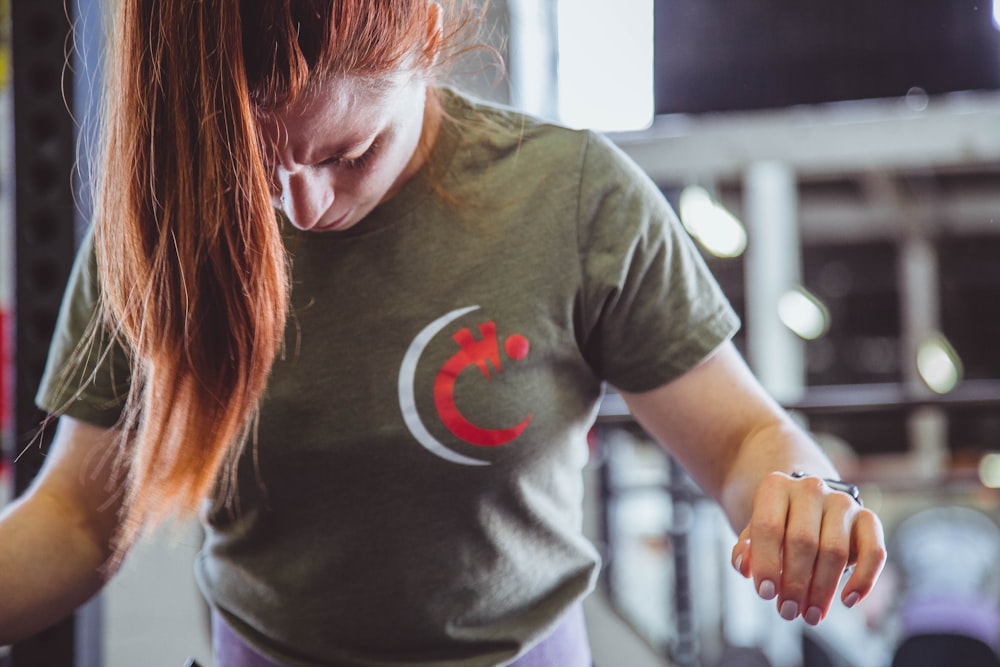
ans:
(773, 266)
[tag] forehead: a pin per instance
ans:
(345, 104)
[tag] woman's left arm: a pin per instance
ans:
(796, 534)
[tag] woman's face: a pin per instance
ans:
(336, 154)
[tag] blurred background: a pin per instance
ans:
(838, 164)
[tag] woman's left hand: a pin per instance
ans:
(801, 538)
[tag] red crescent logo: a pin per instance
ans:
(477, 353)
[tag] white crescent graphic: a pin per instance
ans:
(407, 399)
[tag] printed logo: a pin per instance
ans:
(480, 353)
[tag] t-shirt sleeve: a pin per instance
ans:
(87, 373)
(651, 309)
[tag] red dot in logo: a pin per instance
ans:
(516, 347)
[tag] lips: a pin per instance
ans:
(333, 226)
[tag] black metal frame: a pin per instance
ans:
(44, 224)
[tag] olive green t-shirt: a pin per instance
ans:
(416, 493)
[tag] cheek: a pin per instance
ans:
(373, 182)
(368, 184)
(382, 173)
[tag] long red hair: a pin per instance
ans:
(191, 262)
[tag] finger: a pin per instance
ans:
(801, 545)
(740, 557)
(868, 541)
(767, 532)
(833, 556)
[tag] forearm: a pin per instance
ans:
(50, 563)
(727, 432)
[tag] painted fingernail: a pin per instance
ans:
(739, 563)
(813, 616)
(852, 599)
(767, 589)
(789, 610)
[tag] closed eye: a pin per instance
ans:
(359, 162)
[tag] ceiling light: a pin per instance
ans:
(708, 221)
(803, 313)
(938, 364)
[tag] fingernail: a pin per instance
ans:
(814, 616)
(789, 610)
(739, 563)
(767, 589)
(852, 599)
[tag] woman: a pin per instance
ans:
(378, 404)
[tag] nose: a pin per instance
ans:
(306, 195)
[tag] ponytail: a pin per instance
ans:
(190, 258)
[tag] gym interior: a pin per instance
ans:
(838, 166)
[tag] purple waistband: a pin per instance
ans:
(566, 646)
